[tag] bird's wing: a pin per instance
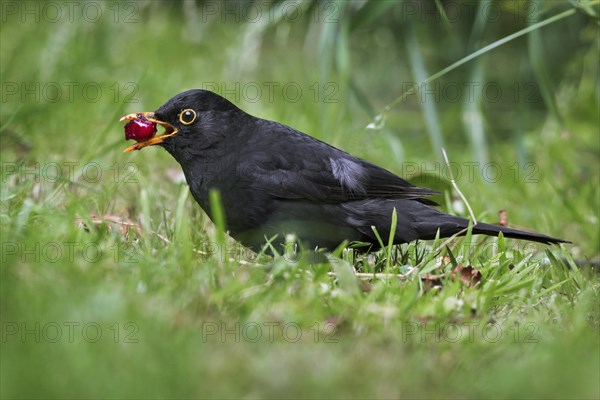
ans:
(299, 167)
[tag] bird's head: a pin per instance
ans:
(193, 120)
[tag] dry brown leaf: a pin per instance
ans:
(503, 216)
(468, 275)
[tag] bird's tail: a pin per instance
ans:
(494, 230)
(450, 225)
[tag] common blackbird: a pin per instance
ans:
(274, 180)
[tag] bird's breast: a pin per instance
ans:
(243, 206)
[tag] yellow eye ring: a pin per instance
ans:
(187, 116)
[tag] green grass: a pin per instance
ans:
(170, 307)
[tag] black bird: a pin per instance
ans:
(275, 180)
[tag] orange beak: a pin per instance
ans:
(170, 130)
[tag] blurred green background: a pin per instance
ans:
(104, 245)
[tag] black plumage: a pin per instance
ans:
(275, 180)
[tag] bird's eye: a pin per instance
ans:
(187, 116)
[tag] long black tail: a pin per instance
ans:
(430, 220)
(493, 230)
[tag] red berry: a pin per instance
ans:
(140, 129)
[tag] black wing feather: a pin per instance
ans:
(310, 174)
